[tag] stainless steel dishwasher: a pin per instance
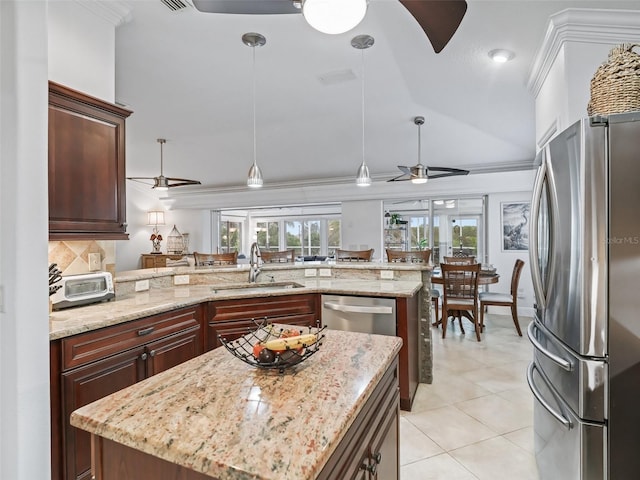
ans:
(359, 314)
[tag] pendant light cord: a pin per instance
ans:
(363, 161)
(419, 145)
(254, 104)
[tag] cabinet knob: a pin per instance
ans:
(377, 457)
(372, 468)
(143, 356)
(152, 353)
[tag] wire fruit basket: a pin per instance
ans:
(275, 347)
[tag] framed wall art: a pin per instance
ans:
(515, 226)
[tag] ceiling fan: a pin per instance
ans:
(438, 18)
(421, 173)
(161, 182)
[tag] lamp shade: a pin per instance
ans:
(363, 179)
(334, 16)
(155, 217)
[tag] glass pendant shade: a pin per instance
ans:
(363, 179)
(334, 16)
(254, 179)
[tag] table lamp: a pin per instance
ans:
(155, 218)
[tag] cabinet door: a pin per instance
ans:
(169, 352)
(84, 385)
(86, 166)
(384, 451)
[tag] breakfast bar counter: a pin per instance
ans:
(216, 417)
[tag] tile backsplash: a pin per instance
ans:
(72, 257)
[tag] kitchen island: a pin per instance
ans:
(216, 417)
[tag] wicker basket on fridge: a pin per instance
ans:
(615, 87)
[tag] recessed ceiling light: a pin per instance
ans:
(501, 55)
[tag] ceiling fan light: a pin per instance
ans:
(254, 179)
(419, 180)
(363, 179)
(334, 16)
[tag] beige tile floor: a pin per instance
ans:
(475, 420)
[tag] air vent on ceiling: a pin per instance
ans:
(175, 5)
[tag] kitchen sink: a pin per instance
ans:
(255, 287)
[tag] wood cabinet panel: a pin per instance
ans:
(92, 365)
(86, 166)
(91, 346)
(84, 385)
(157, 260)
(232, 318)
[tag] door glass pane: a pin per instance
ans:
(268, 236)
(333, 236)
(230, 235)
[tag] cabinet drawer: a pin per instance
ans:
(98, 344)
(258, 308)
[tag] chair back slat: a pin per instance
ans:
(354, 255)
(460, 282)
(283, 256)
(456, 260)
(414, 256)
(208, 259)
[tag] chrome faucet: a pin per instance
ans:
(254, 260)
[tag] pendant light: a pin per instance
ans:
(362, 42)
(334, 16)
(253, 40)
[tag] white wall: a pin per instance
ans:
(361, 226)
(505, 260)
(81, 50)
(24, 319)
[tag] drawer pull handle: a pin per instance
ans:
(145, 331)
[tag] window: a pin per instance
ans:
(230, 235)
(268, 236)
(304, 236)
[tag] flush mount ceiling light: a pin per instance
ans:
(334, 16)
(362, 42)
(253, 40)
(162, 183)
(501, 55)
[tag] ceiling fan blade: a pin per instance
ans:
(181, 182)
(246, 7)
(406, 170)
(399, 178)
(140, 180)
(438, 18)
(455, 171)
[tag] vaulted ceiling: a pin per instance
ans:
(188, 78)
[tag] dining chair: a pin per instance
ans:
(354, 255)
(504, 299)
(460, 294)
(283, 256)
(413, 256)
(207, 259)
(459, 260)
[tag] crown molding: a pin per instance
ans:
(116, 12)
(599, 26)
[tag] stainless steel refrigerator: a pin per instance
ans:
(585, 264)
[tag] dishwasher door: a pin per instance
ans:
(359, 314)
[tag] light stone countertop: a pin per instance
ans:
(221, 417)
(72, 321)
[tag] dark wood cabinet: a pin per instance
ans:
(86, 166)
(92, 365)
(157, 260)
(233, 318)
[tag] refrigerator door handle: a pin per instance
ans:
(536, 393)
(561, 362)
(533, 234)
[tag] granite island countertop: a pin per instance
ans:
(221, 417)
(132, 306)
